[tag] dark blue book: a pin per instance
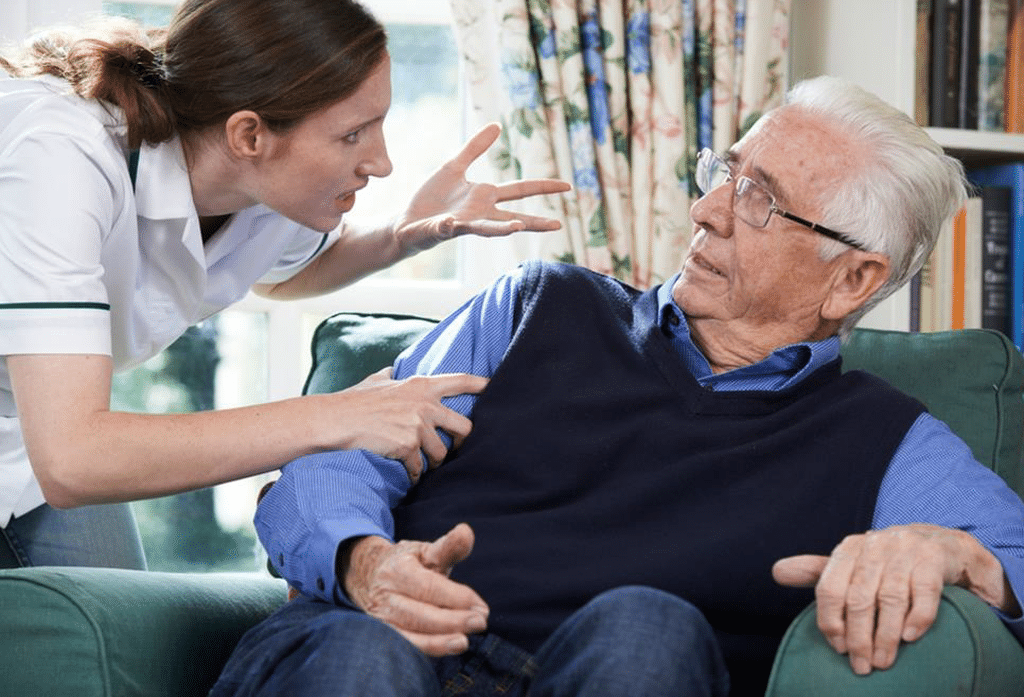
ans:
(1012, 176)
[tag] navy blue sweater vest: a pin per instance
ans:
(597, 461)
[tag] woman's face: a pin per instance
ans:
(315, 168)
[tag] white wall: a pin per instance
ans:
(870, 42)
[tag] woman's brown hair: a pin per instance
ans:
(283, 59)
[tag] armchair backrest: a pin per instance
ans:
(972, 379)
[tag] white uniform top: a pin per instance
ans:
(89, 267)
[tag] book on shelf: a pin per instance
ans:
(968, 244)
(969, 60)
(936, 287)
(1015, 69)
(944, 80)
(995, 258)
(993, 27)
(1011, 176)
(965, 282)
(970, 64)
(923, 64)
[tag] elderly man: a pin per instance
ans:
(655, 480)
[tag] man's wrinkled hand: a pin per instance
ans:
(405, 584)
(883, 587)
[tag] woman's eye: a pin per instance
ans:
(351, 138)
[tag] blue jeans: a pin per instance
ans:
(88, 536)
(627, 641)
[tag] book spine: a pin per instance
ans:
(924, 50)
(1015, 70)
(973, 248)
(995, 258)
(969, 59)
(915, 301)
(1011, 175)
(957, 269)
(993, 26)
(943, 107)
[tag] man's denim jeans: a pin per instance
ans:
(627, 641)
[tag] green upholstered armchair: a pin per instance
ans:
(103, 632)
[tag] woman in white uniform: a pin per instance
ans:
(250, 125)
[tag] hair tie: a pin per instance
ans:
(150, 73)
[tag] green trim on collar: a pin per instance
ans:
(55, 306)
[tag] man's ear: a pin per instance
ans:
(246, 134)
(857, 276)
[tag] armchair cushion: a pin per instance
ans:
(84, 632)
(349, 346)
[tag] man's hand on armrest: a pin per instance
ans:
(884, 586)
(406, 585)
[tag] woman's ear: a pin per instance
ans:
(246, 134)
(858, 275)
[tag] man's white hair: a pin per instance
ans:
(904, 189)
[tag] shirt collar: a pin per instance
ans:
(163, 190)
(783, 368)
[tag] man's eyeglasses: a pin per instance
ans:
(751, 203)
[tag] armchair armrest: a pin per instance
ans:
(968, 652)
(86, 632)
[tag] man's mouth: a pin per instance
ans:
(704, 264)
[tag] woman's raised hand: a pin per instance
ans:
(448, 205)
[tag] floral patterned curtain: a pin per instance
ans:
(617, 97)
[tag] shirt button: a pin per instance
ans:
(320, 584)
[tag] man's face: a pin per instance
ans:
(768, 280)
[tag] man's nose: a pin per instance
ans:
(713, 210)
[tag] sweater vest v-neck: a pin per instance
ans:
(596, 461)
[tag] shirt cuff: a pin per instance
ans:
(313, 568)
(1013, 567)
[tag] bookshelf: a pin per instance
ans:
(874, 44)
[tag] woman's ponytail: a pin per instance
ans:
(117, 62)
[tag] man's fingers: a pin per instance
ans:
(924, 606)
(445, 552)
(410, 614)
(862, 609)
(436, 645)
(830, 595)
(802, 571)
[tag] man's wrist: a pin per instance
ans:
(354, 561)
(987, 579)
